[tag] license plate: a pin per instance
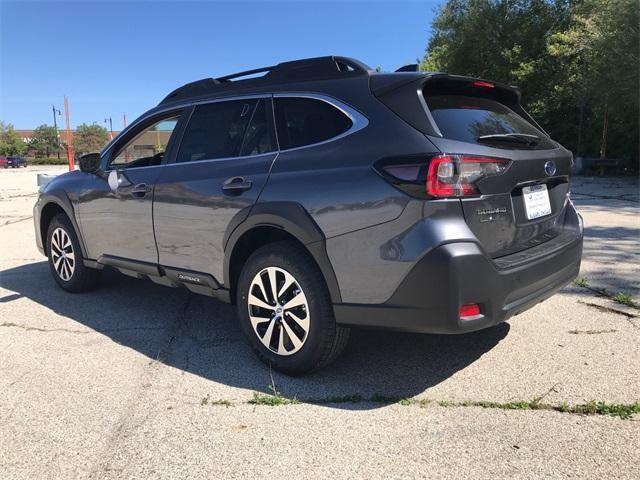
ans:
(536, 201)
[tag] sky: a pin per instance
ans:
(122, 56)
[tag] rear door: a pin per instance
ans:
(523, 206)
(220, 168)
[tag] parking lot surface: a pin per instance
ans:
(136, 380)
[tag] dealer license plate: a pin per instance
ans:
(536, 201)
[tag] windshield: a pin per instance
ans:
(467, 119)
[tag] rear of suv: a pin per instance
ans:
(322, 196)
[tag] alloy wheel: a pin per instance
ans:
(62, 254)
(278, 310)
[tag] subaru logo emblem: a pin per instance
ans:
(550, 168)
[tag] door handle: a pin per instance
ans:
(140, 190)
(236, 185)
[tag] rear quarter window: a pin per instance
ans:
(305, 121)
(466, 118)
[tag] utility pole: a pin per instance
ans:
(55, 124)
(108, 119)
(69, 146)
(124, 122)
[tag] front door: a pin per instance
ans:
(115, 207)
(222, 163)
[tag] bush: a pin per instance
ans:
(47, 161)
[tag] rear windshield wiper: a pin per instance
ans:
(524, 138)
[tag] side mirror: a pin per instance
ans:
(90, 163)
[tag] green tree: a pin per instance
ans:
(10, 143)
(45, 140)
(600, 73)
(575, 61)
(89, 138)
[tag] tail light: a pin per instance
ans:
(444, 176)
(456, 175)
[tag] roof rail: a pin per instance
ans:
(246, 73)
(297, 70)
(412, 67)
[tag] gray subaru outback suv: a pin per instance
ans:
(318, 195)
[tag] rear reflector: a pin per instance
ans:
(469, 311)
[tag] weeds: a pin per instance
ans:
(219, 402)
(620, 297)
(624, 299)
(623, 411)
(581, 282)
(275, 400)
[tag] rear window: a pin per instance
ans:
(305, 121)
(466, 118)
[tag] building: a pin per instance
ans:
(26, 135)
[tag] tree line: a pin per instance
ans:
(576, 63)
(45, 140)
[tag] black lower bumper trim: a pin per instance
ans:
(456, 274)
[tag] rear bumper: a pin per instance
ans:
(455, 274)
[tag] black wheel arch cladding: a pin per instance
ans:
(293, 219)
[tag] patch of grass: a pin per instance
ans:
(624, 411)
(522, 405)
(581, 282)
(274, 400)
(624, 299)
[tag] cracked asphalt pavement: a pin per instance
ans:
(136, 380)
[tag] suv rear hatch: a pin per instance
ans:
(511, 178)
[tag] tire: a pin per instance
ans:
(67, 268)
(310, 307)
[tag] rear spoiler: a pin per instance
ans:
(404, 94)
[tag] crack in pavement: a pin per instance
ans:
(629, 317)
(126, 421)
(68, 330)
(21, 195)
(623, 410)
(11, 222)
(591, 332)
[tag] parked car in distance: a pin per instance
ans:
(16, 162)
(323, 196)
(3, 162)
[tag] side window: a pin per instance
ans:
(305, 121)
(148, 147)
(216, 130)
